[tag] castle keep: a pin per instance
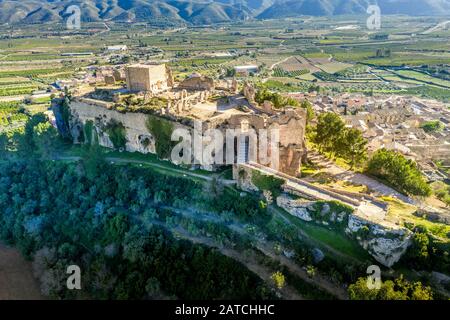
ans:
(152, 78)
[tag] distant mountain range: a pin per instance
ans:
(204, 11)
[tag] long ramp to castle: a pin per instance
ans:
(367, 207)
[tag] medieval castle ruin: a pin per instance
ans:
(143, 116)
(152, 94)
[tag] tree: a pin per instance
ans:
(400, 172)
(398, 289)
(116, 228)
(305, 104)
(93, 160)
(3, 144)
(418, 254)
(354, 147)
(329, 130)
(331, 135)
(45, 139)
(117, 133)
(277, 99)
(360, 291)
(152, 288)
(28, 143)
(278, 279)
(432, 126)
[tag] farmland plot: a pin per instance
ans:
(297, 63)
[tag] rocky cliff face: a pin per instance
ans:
(386, 245)
(385, 242)
(138, 138)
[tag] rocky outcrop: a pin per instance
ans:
(294, 207)
(386, 243)
(59, 108)
(138, 137)
(243, 176)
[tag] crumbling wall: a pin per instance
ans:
(197, 83)
(291, 125)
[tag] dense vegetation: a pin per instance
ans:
(331, 136)
(11, 112)
(400, 172)
(116, 133)
(267, 183)
(56, 214)
(427, 252)
(162, 130)
(276, 99)
(113, 222)
(109, 221)
(398, 289)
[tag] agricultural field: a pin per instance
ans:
(297, 63)
(278, 72)
(317, 51)
(424, 78)
(11, 113)
(333, 67)
(318, 55)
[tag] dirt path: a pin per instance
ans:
(288, 292)
(155, 165)
(264, 273)
(332, 250)
(264, 246)
(16, 277)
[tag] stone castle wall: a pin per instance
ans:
(139, 139)
(151, 78)
(291, 125)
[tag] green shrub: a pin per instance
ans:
(117, 133)
(267, 183)
(400, 172)
(88, 131)
(432, 126)
(162, 130)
